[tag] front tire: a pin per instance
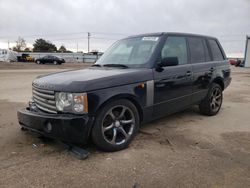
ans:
(55, 62)
(38, 62)
(116, 125)
(212, 103)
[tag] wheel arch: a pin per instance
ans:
(219, 81)
(128, 97)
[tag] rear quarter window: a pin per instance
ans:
(215, 50)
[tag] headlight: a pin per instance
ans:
(72, 102)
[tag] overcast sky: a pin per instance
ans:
(68, 21)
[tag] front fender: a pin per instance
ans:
(136, 92)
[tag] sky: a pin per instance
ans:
(66, 22)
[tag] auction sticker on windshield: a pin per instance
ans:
(150, 38)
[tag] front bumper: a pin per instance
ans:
(64, 127)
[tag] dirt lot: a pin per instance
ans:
(182, 150)
(32, 65)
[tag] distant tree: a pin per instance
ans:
(27, 50)
(20, 44)
(62, 49)
(42, 45)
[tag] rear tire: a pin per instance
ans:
(38, 62)
(116, 125)
(211, 104)
(55, 62)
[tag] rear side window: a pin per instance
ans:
(215, 49)
(175, 47)
(198, 50)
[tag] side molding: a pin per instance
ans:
(150, 92)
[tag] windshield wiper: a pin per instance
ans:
(116, 65)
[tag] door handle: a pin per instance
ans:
(188, 73)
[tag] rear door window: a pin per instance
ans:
(215, 50)
(198, 50)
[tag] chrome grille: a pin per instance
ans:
(44, 99)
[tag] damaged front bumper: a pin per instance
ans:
(65, 127)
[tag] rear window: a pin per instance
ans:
(198, 50)
(216, 51)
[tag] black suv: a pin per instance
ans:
(137, 80)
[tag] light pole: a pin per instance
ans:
(88, 40)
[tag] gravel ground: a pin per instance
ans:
(182, 150)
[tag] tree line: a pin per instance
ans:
(40, 45)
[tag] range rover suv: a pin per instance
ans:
(137, 80)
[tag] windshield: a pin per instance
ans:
(132, 52)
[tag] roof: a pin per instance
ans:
(170, 33)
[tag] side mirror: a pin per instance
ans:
(169, 61)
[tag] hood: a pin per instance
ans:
(92, 78)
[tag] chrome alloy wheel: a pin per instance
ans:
(118, 125)
(216, 99)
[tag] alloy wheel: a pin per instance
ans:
(118, 125)
(216, 99)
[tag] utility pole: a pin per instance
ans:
(88, 40)
(8, 44)
(76, 47)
